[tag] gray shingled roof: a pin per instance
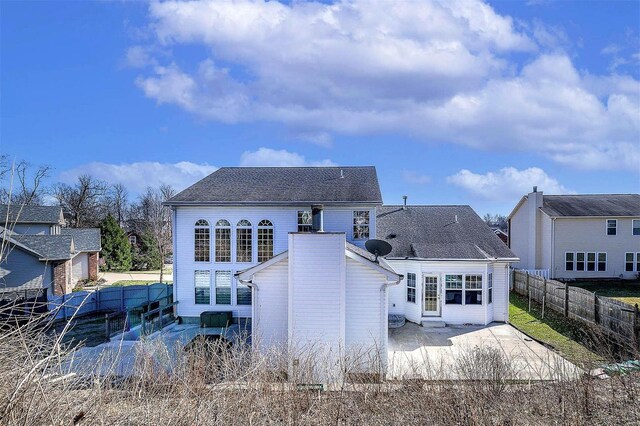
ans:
(591, 205)
(31, 214)
(84, 239)
(284, 185)
(431, 232)
(48, 247)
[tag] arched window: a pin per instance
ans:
(201, 241)
(244, 252)
(223, 241)
(265, 240)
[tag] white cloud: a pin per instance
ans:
(278, 158)
(432, 70)
(138, 176)
(507, 184)
(415, 177)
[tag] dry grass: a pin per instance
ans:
(214, 384)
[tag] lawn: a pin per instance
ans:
(627, 291)
(556, 331)
(123, 283)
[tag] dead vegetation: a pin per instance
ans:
(214, 383)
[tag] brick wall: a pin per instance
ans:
(62, 278)
(93, 266)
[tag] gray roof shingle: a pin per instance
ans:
(284, 185)
(31, 214)
(591, 205)
(48, 247)
(84, 239)
(431, 232)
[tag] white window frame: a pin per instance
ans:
(304, 227)
(637, 262)
(598, 261)
(594, 262)
(216, 286)
(473, 290)
(206, 227)
(265, 225)
(489, 288)
(584, 261)
(633, 227)
(615, 228)
(633, 261)
(196, 286)
(222, 224)
(356, 224)
(573, 261)
(133, 240)
(411, 287)
(243, 227)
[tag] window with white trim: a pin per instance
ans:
(453, 289)
(361, 224)
(243, 293)
(569, 258)
(579, 261)
(201, 241)
(635, 227)
(223, 287)
(637, 262)
(304, 221)
(265, 240)
(202, 280)
(628, 262)
(133, 240)
(223, 241)
(602, 262)
(612, 226)
(411, 287)
(591, 261)
(244, 249)
(473, 289)
(490, 287)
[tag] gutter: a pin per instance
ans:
(431, 259)
(272, 203)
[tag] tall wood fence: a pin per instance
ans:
(618, 318)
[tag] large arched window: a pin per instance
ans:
(201, 241)
(265, 240)
(244, 252)
(223, 241)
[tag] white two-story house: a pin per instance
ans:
(284, 247)
(577, 236)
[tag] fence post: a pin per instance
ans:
(64, 306)
(107, 326)
(544, 295)
(148, 295)
(98, 299)
(528, 292)
(122, 298)
(636, 323)
(596, 320)
(566, 299)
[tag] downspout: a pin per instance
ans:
(254, 315)
(384, 334)
(174, 237)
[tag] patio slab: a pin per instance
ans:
(472, 352)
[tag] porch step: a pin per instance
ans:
(434, 324)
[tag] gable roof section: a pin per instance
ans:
(84, 239)
(591, 205)
(351, 250)
(284, 185)
(432, 232)
(45, 247)
(31, 214)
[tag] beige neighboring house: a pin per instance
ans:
(577, 236)
(38, 252)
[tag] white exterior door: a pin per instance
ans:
(431, 296)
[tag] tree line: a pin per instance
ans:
(92, 202)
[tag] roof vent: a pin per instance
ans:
(404, 204)
(341, 174)
(391, 236)
(455, 219)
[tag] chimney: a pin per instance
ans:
(535, 189)
(317, 218)
(404, 205)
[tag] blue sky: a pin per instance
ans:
(454, 103)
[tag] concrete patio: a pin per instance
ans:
(472, 352)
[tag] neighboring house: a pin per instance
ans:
(456, 269)
(284, 247)
(577, 236)
(501, 234)
(37, 252)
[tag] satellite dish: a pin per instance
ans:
(378, 247)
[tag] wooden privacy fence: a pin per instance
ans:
(618, 318)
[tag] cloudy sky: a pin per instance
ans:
(460, 102)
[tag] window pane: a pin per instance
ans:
(473, 282)
(628, 262)
(361, 224)
(265, 243)
(223, 244)
(636, 226)
(243, 245)
(201, 245)
(568, 265)
(473, 297)
(243, 294)
(304, 221)
(453, 281)
(202, 281)
(611, 226)
(602, 261)
(579, 261)
(223, 287)
(490, 287)
(411, 287)
(591, 261)
(453, 297)
(637, 262)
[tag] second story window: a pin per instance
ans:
(612, 226)
(635, 226)
(201, 241)
(304, 221)
(223, 241)
(361, 224)
(265, 240)
(411, 287)
(244, 252)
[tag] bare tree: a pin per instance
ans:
(156, 218)
(497, 220)
(22, 184)
(84, 201)
(118, 203)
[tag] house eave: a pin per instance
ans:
(270, 203)
(443, 259)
